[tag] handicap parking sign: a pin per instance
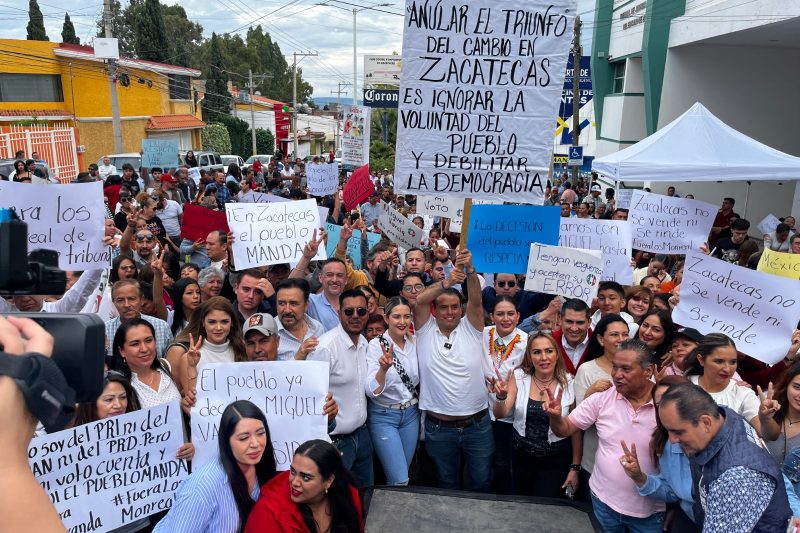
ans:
(575, 156)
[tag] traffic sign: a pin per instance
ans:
(576, 156)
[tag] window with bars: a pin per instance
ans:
(619, 76)
(180, 87)
(31, 88)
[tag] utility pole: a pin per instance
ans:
(116, 123)
(250, 87)
(576, 80)
(355, 60)
(294, 95)
(339, 92)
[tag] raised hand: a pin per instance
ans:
(346, 232)
(769, 405)
(553, 404)
(265, 287)
(310, 250)
(307, 346)
(133, 216)
(157, 264)
(630, 463)
(387, 359)
(193, 353)
(499, 386)
(456, 277)
(791, 354)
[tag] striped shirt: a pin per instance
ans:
(204, 503)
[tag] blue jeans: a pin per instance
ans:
(446, 446)
(394, 435)
(356, 450)
(613, 522)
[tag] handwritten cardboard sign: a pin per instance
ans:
(500, 236)
(769, 224)
(479, 87)
(669, 225)
(69, 219)
(758, 311)
(322, 178)
(611, 237)
(780, 264)
(290, 393)
(269, 234)
(159, 153)
(567, 272)
(254, 197)
(398, 228)
(103, 475)
(623, 198)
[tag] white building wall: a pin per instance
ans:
(627, 32)
(263, 119)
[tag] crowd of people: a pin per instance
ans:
(439, 374)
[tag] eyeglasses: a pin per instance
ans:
(413, 288)
(148, 238)
(155, 198)
(127, 267)
(125, 199)
(360, 311)
(504, 284)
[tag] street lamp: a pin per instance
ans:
(356, 10)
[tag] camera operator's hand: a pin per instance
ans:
(24, 506)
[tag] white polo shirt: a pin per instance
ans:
(451, 379)
(348, 376)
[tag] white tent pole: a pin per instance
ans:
(746, 200)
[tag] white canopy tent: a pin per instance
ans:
(697, 146)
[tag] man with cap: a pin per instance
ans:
(681, 344)
(84, 177)
(169, 188)
(371, 211)
(106, 169)
(261, 342)
(594, 196)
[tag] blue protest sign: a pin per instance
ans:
(500, 236)
(159, 153)
(353, 244)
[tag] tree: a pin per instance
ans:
(376, 125)
(151, 34)
(239, 132)
(216, 139)
(381, 155)
(185, 37)
(217, 101)
(36, 31)
(68, 32)
(265, 141)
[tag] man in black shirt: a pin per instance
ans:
(730, 249)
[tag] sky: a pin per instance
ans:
(297, 26)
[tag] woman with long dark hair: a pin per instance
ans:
(655, 331)
(134, 355)
(185, 299)
(123, 267)
(219, 496)
(316, 495)
(190, 160)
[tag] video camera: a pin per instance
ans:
(51, 391)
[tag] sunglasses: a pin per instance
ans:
(142, 238)
(360, 311)
(413, 288)
(125, 199)
(504, 284)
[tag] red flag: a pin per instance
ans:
(199, 221)
(358, 188)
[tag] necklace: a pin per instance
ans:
(498, 351)
(149, 382)
(792, 422)
(543, 390)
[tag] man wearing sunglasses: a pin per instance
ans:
(344, 348)
(529, 303)
(144, 244)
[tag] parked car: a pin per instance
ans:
(205, 160)
(237, 160)
(133, 158)
(265, 160)
(7, 169)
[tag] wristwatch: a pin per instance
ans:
(575, 467)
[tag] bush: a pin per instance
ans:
(239, 133)
(265, 141)
(216, 138)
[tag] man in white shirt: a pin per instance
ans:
(345, 349)
(106, 169)
(299, 333)
(453, 391)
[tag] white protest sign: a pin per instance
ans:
(611, 237)
(69, 219)
(269, 234)
(623, 198)
(194, 174)
(769, 224)
(480, 83)
(398, 228)
(355, 136)
(568, 272)
(109, 473)
(668, 224)
(290, 393)
(443, 206)
(322, 178)
(758, 311)
(254, 197)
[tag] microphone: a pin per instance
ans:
(448, 345)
